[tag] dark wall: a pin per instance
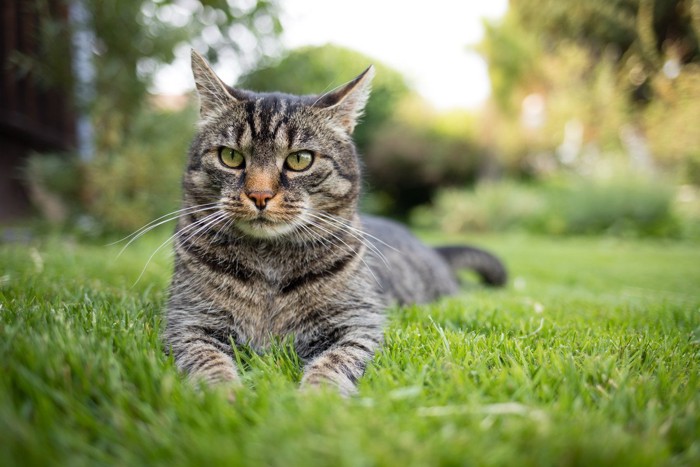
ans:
(32, 117)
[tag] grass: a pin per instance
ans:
(591, 356)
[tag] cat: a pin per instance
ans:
(270, 243)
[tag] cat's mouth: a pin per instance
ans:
(267, 223)
(264, 227)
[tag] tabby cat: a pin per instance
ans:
(270, 243)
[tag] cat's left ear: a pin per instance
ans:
(214, 95)
(348, 102)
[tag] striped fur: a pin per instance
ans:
(263, 251)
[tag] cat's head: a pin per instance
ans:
(274, 161)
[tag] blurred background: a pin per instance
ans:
(555, 117)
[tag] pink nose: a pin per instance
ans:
(260, 198)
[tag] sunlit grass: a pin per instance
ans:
(590, 356)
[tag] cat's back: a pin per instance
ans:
(407, 270)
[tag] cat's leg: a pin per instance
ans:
(342, 363)
(201, 355)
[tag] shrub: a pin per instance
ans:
(673, 139)
(489, 206)
(631, 206)
(634, 206)
(125, 188)
(418, 151)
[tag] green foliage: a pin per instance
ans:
(596, 23)
(544, 95)
(140, 180)
(512, 54)
(591, 357)
(641, 31)
(629, 206)
(488, 206)
(133, 175)
(318, 69)
(133, 38)
(127, 187)
(624, 206)
(672, 139)
(612, 69)
(58, 174)
(418, 151)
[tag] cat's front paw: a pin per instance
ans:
(226, 390)
(229, 392)
(225, 383)
(316, 381)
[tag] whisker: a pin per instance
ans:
(180, 211)
(313, 236)
(148, 227)
(327, 92)
(226, 226)
(204, 228)
(354, 232)
(335, 236)
(346, 223)
(151, 228)
(204, 220)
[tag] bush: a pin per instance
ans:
(489, 206)
(672, 138)
(582, 206)
(638, 207)
(125, 188)
(417, 152)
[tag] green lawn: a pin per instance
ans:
(591, 356)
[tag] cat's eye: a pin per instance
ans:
(300, 160)
(231, 158)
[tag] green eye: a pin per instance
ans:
(231, 158)
(300, 160)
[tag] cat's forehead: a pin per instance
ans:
(263, 109)
(277, 119)
(274, 101)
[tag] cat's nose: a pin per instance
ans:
(260, 198)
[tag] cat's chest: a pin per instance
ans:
(261, 310)
(263, 296)
(267, 315)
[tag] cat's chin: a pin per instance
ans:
(265, 229)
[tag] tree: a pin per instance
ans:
(132, 38)
(513, 55)
(622, 75)
(643, 34)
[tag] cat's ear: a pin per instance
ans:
(213, 93)
(348, 102)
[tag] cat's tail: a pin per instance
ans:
(488, 266)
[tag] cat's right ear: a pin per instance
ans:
(348, 102)
(214, 95)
